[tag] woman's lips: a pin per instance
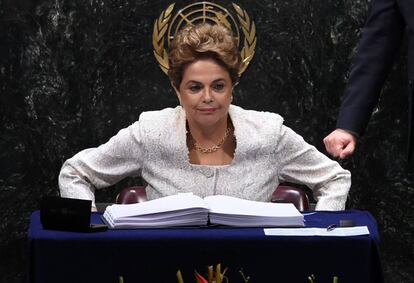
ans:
(207, 110)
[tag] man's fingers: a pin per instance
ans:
(339, 149)
(340, 144)
(333, 147)
(347, 151)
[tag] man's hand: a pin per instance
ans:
(340, 143)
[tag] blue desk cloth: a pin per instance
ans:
(155, 255)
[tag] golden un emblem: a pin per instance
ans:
(164, 29)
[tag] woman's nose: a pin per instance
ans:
(207, 95)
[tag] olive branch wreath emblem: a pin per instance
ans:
(248, 28)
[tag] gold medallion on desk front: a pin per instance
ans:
(168, 24)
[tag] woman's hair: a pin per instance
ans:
(203, 41)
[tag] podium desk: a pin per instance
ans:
(155, 255)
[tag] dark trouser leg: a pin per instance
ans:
(410, 121)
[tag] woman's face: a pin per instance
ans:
(205, 92)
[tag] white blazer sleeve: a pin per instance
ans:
(303, 163)
(120, 157)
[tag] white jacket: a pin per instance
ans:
(267, 153)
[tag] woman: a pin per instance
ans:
(205, 145)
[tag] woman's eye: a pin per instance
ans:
(195, 88)
(219, 86)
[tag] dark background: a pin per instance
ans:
(72, 73)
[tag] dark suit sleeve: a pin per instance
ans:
(381, 39)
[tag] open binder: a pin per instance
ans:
(191, 210)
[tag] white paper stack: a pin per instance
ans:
(191, 210)
(233, 211)
(175, 210)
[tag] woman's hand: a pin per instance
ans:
(340, 143)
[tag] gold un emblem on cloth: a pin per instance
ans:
(201, 12)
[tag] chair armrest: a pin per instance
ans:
(289, 194)
(133, 194)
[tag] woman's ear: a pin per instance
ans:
(176, 92)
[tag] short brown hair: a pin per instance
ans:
(202, 41)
